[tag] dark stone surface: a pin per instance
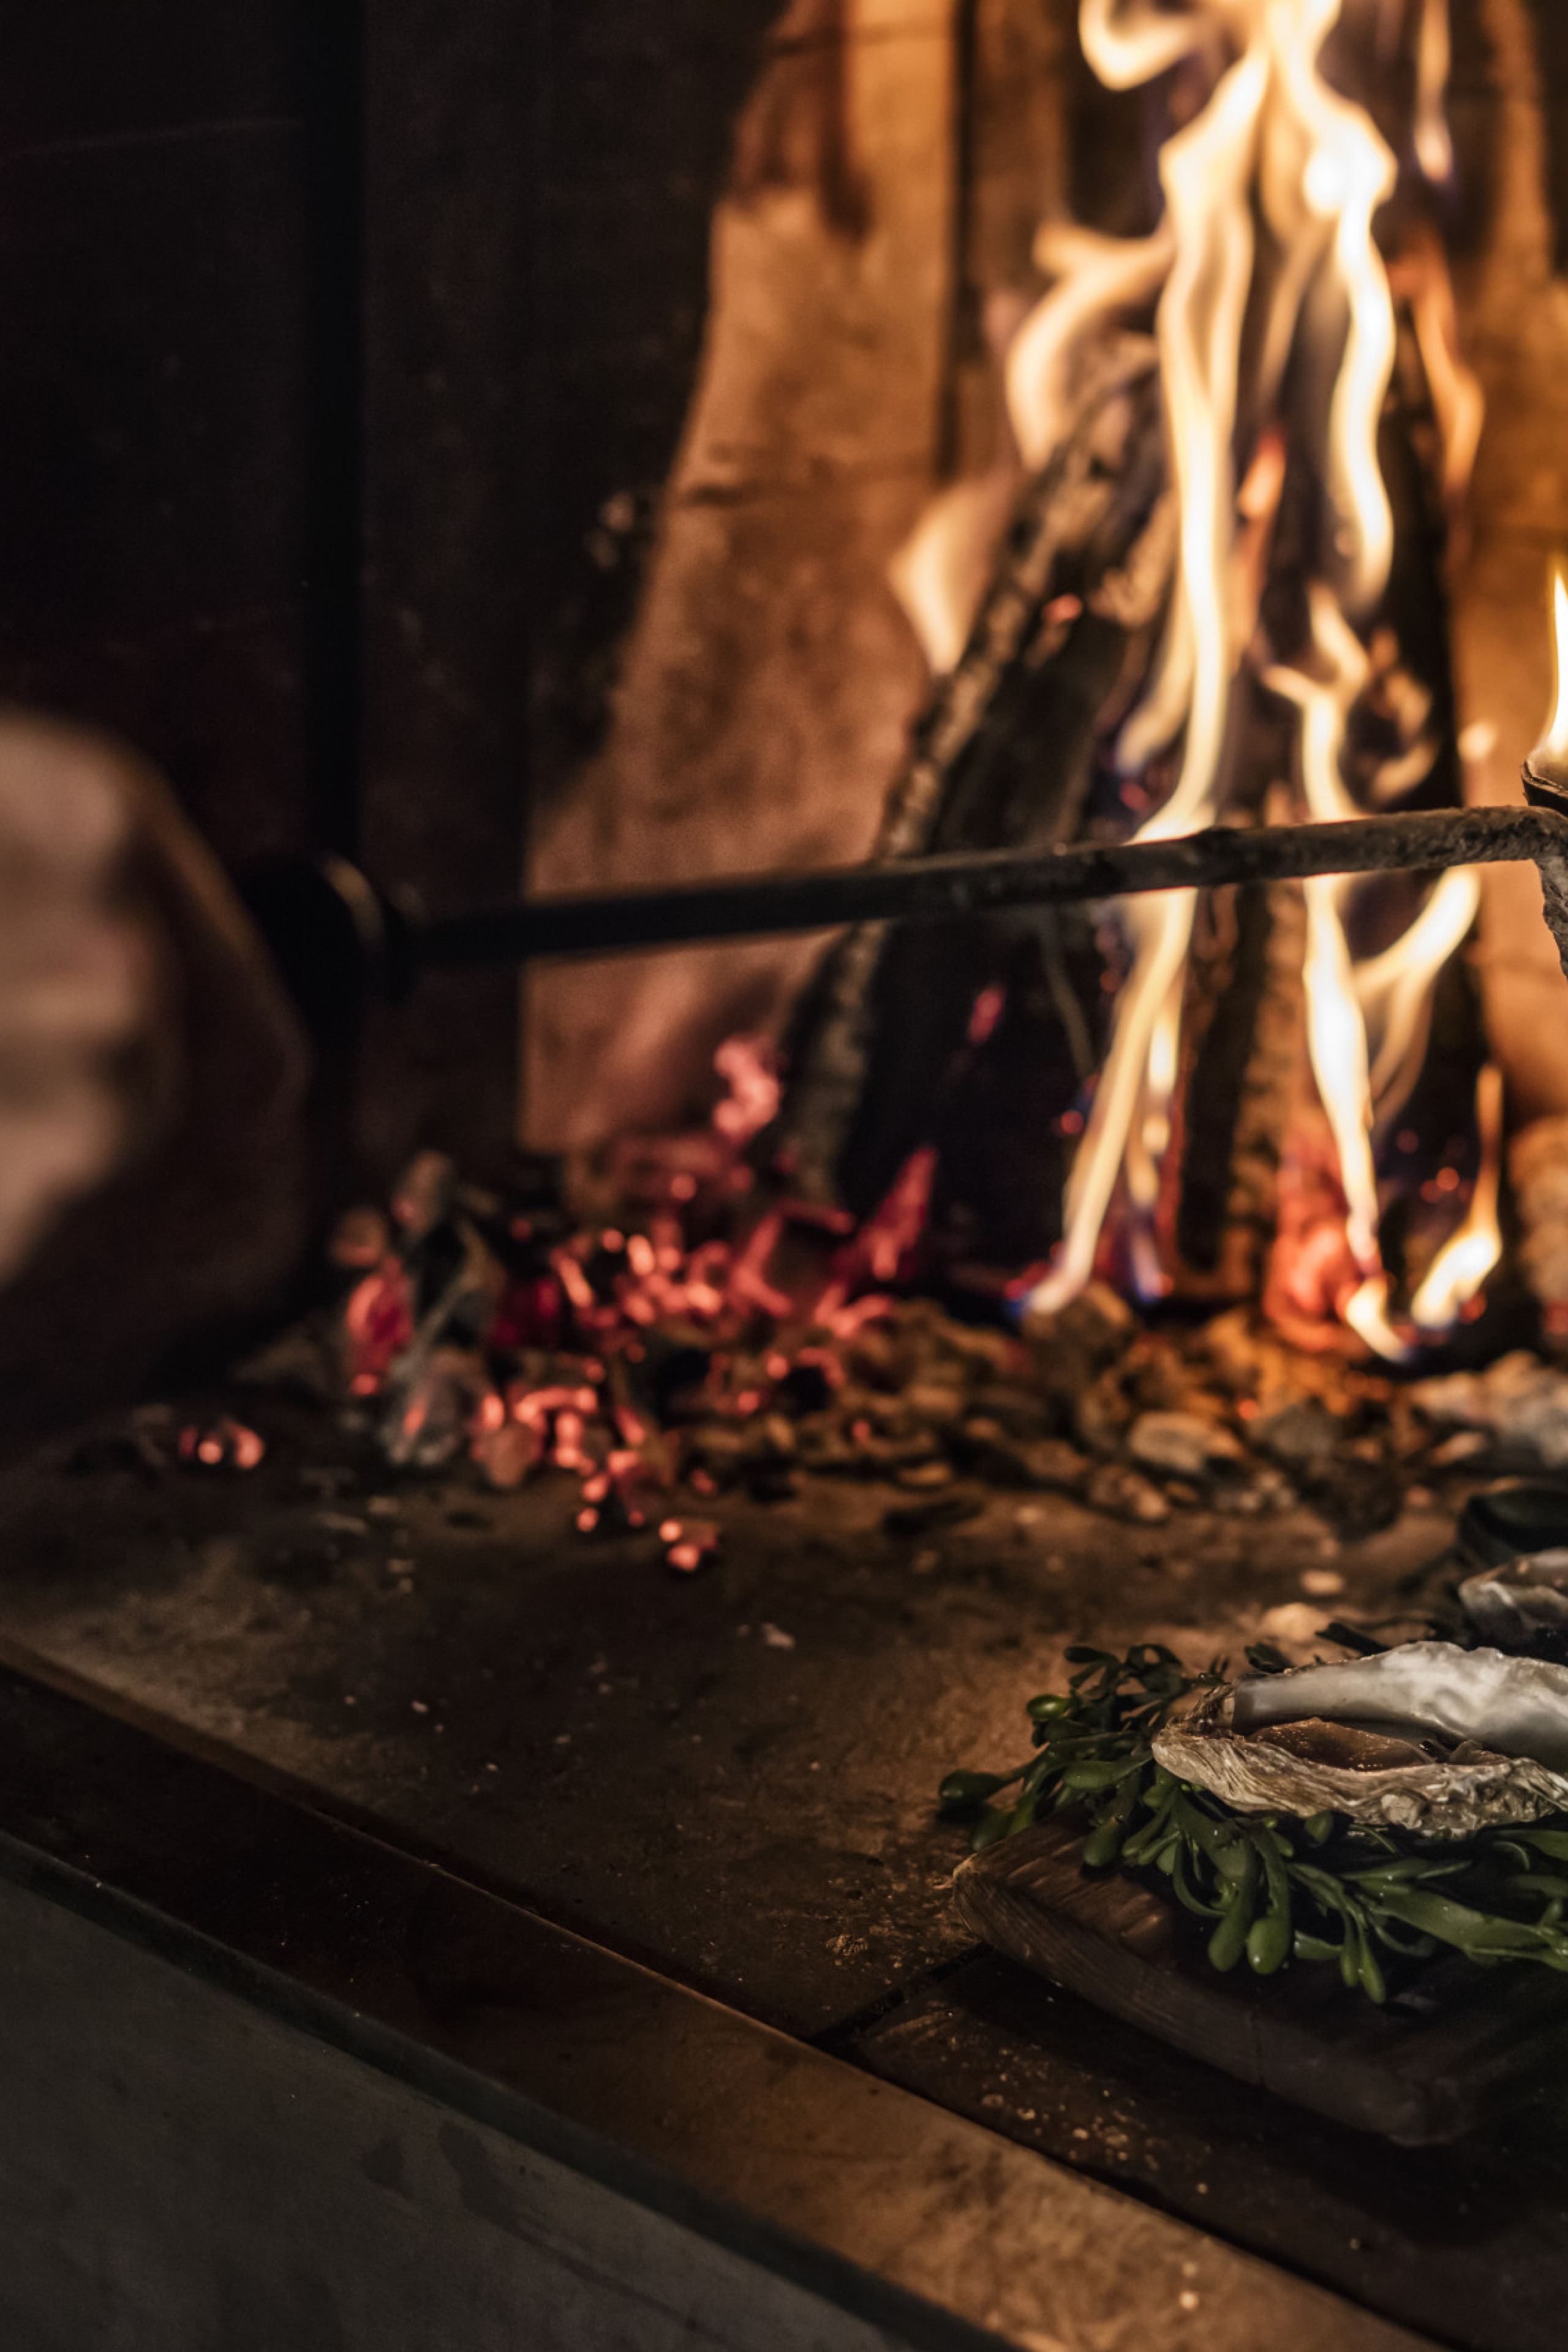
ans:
(643, 1760)
(266, 2075)
(635, 1756)
(181, 2171)
(634, 1752)
(1464, 2242)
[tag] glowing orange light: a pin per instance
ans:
(1550, 757)
(1455, 1279)
(640, 1257)
(1276, 163)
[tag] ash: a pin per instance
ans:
(700, 1342)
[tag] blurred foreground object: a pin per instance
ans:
(153, 1154)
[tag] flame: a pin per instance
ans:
(1336, 1027)
(1394, 989)
(1275, 145)
(1129, 45)
(1097, 275)
(1459, 403)
(1462, 1265)
(941, 573)
(1206, 172)
(1552, 752)
(1434, 54)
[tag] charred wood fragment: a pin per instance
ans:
(1242, 1052)
(1003, 758)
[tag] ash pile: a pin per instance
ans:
(705, 1347)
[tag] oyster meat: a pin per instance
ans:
(1427, 1738)
(1517, 1705)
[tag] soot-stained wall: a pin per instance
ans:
(152, 379)
(345, 346)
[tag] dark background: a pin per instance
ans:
(344, 350)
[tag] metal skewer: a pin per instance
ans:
(334, 934)
(931, 889)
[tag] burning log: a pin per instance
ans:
(1242, 1025)
(1003, 757)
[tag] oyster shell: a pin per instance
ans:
(1514, 1604)
(1272, 1770)
(1517, 1706)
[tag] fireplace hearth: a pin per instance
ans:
(865, 1168)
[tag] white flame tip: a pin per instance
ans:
(1552, 752)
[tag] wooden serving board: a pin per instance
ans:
(1454, 2046)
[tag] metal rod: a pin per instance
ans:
(932, 889)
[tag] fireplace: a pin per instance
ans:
(689, 595)
(717, 488)
(987, 769)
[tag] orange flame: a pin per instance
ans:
(1275, 139)
(1460, 1268)
(1096, 276)
(1275, 145)
(1394, 989)
(1550, 757)
(1459, 403)
(1434, 54)
(941, 573)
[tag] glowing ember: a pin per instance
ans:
(689, 1543)
(746, 1064)
(529, 1348)
(224, 1444)
(378, 1324)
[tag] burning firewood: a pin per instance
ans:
(1311, 472)
(1084, 568)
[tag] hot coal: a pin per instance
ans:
(712, 1344)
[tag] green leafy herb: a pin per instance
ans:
(1270, 1889)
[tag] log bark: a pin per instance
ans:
(1003, 758)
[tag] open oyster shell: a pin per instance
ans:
(1517, 1705)
(1264, 1770)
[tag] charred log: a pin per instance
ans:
(1004, 757)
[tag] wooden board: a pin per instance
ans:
(1453, 2047)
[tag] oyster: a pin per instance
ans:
(1375, 1739)
(1517, 1705)
(1515, 1603)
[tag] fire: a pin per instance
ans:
(1097, 275)
(1458, 1273)
(1433, 145)
(1550, 757)
(1271, 193)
